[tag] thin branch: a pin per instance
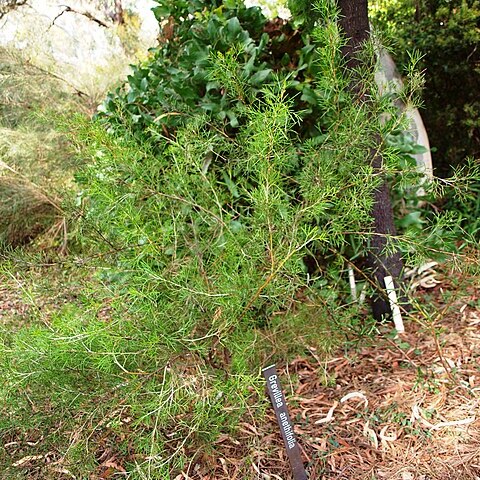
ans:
(67, 9)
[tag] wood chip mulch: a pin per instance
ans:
(401, 408)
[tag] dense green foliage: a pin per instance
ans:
(206, 222)
(176, 81)
(447, 33)
(225, 147)
(224, 215)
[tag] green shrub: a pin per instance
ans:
(467, 203)
(175, 82)
(226, 211)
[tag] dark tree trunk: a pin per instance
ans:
(354, 22)
(379, 263)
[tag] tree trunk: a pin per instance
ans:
(354, 22)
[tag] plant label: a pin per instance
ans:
(286, 428)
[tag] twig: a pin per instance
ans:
(85, 14)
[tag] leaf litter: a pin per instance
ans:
(393, 410)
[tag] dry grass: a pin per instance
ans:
(25, 212)
(36, 161)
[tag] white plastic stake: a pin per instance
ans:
(353, 286)
(392, 296)
(363, 294)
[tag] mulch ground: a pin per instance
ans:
(403, 408)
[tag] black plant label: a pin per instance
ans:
(286, 428)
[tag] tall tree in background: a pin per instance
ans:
(355, 25)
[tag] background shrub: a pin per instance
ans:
(447, 33)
